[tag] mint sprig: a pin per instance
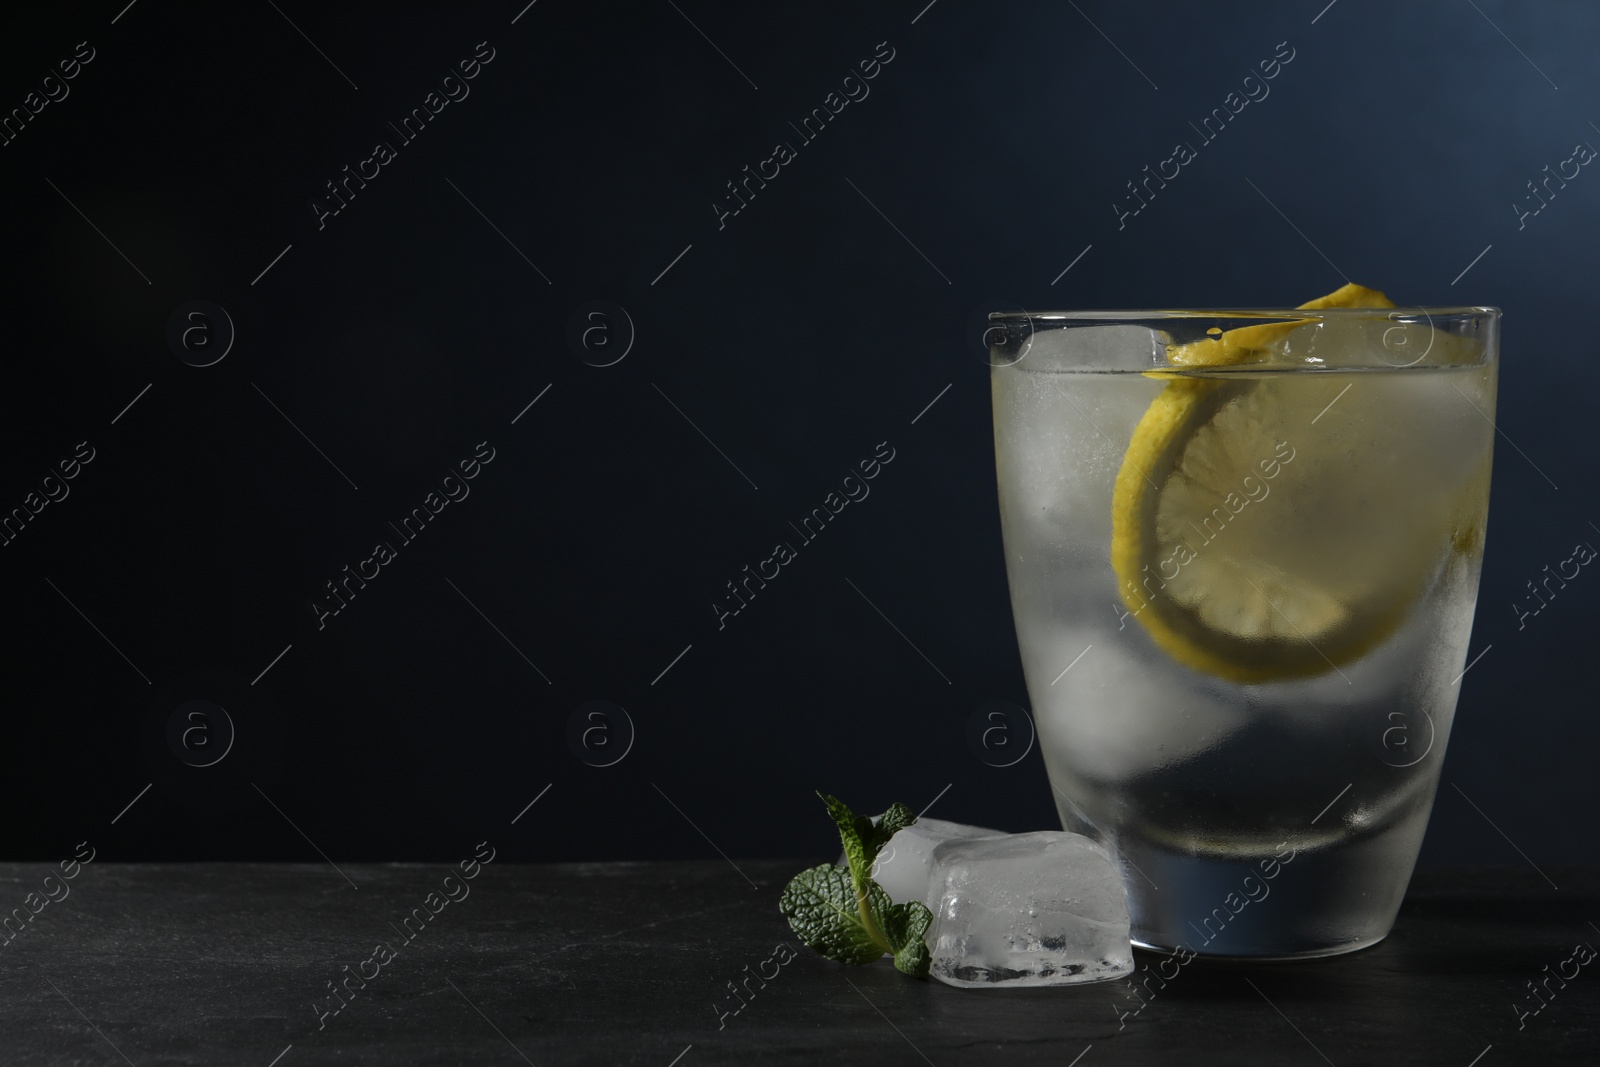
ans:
(846, 916)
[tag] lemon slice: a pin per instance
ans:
(1252, 558)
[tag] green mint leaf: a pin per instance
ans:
(854, 833)
(863, 839)
(892, 823)
(904, 925)
(846, 916)
(825, 913)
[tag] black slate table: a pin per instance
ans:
(623, 963)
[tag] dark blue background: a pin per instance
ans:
(796, 338)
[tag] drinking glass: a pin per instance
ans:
(1243, 577)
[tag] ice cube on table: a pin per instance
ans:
(905, 863)
(1043, 908)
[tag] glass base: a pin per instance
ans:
(1308, 954)
(1297, 900)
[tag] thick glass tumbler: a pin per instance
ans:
(1243, 550)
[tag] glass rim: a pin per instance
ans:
(1140, 314)
(1012, 336)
